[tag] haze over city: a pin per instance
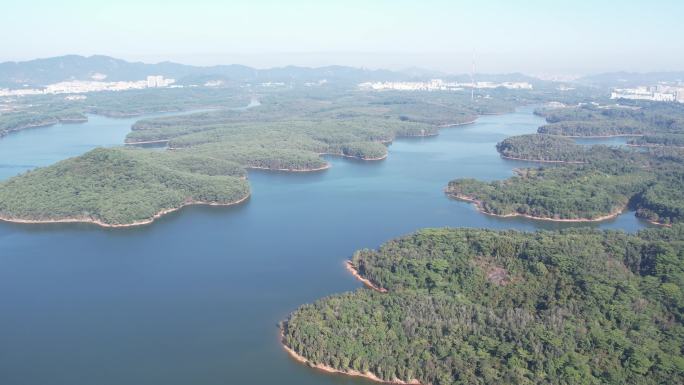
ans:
(534, 37)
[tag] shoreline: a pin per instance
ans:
(328, 369)
(657, 223)
(478, 206)
(350, 268)
(542, 161)
(458, 124)
(42, 125)
(356, 157)
(327, 166)
(595, 136)
(418, 136)
(123, 225)
(146, 142)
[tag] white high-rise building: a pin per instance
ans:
(155, 81)
(660, 93)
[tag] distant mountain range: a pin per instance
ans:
(41, 72)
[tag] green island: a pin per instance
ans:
(470, 306)
(120, 187)
(590, 183)
(550, 149)
(42, 117)
(209, 152)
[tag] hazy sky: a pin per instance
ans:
(562, 37)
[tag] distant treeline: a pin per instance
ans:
(639, 118)
(38, 111)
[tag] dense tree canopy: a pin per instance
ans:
(564, 193)
(655, 140)
(42, 116)
(551, 148)
(467, 306)
(120, 186)
(591, 183)
(46, 110)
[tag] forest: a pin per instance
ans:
(46, 110)
(38, 117)
(589, 183)
(470, 306)
(658, 140)
(120, 186)
(550, 148)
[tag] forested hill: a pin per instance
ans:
(114, 187)
(469, 306)
(41, 72)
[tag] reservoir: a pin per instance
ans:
(195, 298)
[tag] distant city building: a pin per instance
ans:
(440, 85)
(156, 81)
(659, 93)
(83, 86)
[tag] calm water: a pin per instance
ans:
(42, 146)
(195, 298)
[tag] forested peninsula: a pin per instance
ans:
(588, 183)
(469, 306)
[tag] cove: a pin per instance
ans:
(195, 297)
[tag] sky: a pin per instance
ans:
(536, 37)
